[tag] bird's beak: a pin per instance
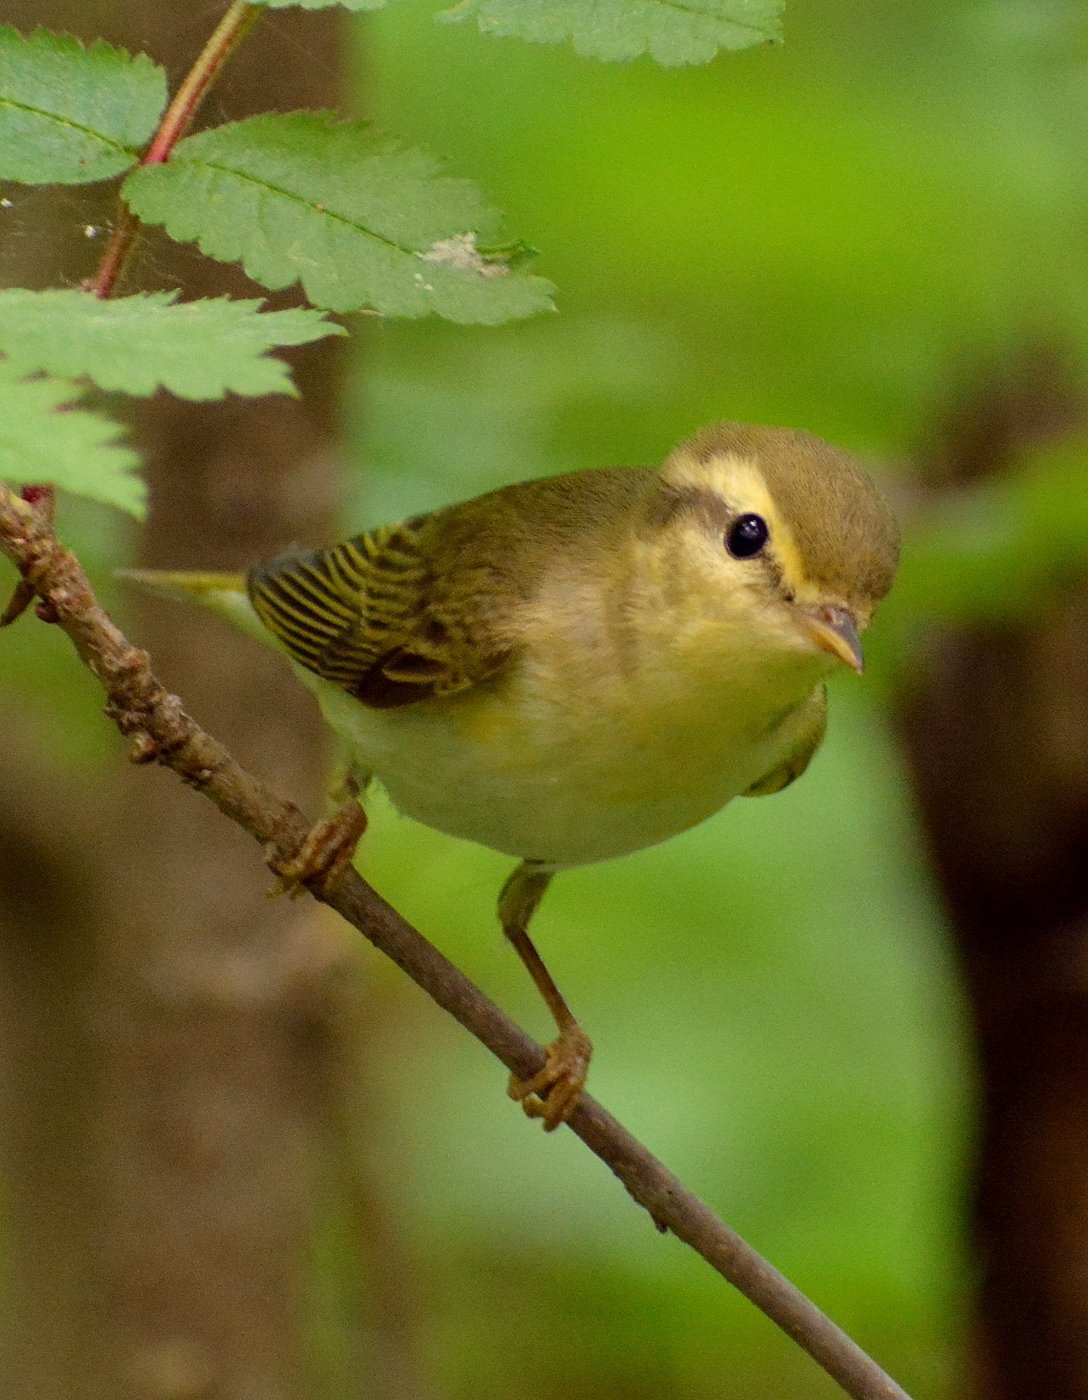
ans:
(836, 631)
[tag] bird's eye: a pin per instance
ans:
(746, 536)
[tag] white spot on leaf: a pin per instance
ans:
(461, 252)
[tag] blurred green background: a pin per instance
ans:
(834, 235)
(822, 235)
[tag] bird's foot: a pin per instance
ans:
(555, 1091)
(325, 854)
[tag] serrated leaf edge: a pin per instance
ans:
(492, 263)
(72, 42)
(466, 8)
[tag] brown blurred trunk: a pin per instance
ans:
(168, 1031)
(997, 733)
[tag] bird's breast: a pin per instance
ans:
(586, 747)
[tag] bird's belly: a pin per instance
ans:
(566, 785)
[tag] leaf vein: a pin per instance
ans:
(66, 122)
(323, 212)
(708, 14)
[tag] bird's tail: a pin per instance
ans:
(221, 593)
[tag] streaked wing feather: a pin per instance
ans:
(370, 615)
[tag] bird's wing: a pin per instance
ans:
(376, 616)
(800, 756)
(436, 605)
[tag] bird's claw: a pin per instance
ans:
(325, 854)
(555, 1091)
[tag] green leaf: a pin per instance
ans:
(359, 220)
(69, 114)
(672, 32)
(320, 4)
(44, 437)
(198, 350)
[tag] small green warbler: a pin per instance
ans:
(570, 669)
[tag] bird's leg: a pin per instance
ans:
(553, 1093)
(329, 847)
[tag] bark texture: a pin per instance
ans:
(997, 734)
(162, 1063)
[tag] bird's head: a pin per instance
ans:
(778, 533)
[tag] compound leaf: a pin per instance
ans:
(45, 436)
(672, 32)
(360, 220)
(70, 114)
(135, 344)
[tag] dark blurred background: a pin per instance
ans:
(852, 1016)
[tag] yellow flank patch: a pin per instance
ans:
(486, 725)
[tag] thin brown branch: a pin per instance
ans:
(162, 732)
(176, 121)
